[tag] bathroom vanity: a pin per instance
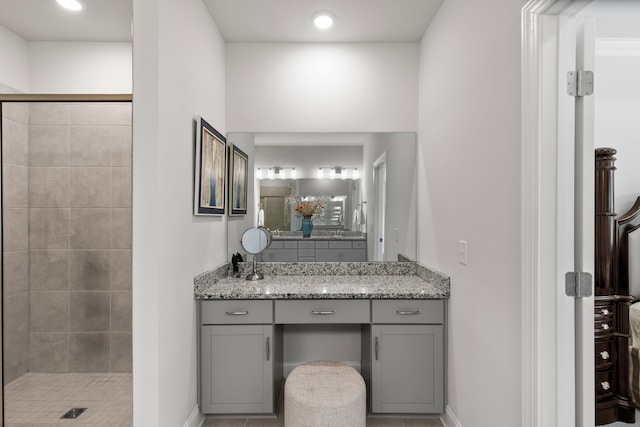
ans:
(398, 310)
(316, 248)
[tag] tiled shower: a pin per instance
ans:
(66, 192)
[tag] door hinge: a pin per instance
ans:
(580, 83)
(578, 284)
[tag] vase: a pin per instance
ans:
(307, 226)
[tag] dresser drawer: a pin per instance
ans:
(236, 312)
(407, 311)
(604, 354)
(322, 311)
(604, 384)
(604, 327)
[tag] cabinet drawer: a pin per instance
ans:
(604, 353)
(604, 327)
(322, 311)
(322, 244)
(306, 252)
(305, 245)
(290, 245)
(276, 244)
(604, 384)
(236, 312)
(357, 244)
(340, 244)
(407, 311)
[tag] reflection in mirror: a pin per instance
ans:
(341, 168)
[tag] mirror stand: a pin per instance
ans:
(255, 275)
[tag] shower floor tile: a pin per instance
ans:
(39, 400)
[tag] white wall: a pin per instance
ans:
(179, 73)
(469, 189)
(84, 67)
(616, 115)
(322, 87)
(14, 66)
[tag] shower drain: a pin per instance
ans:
(73, 413)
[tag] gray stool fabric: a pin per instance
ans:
(325, 394)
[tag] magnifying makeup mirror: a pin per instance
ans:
(254, 241)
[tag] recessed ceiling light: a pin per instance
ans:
(70, 4)
(323, 20)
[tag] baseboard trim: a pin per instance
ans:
(196, 419)
(448, 419)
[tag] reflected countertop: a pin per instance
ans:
(372, 280)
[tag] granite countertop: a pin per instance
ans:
(396, 280)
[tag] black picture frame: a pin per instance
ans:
(238, 181)
(210, 170)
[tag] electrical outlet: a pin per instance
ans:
(462, 252)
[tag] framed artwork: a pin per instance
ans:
(238, 179)
(210, 170)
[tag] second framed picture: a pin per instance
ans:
(238, 181)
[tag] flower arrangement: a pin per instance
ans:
(307, 207)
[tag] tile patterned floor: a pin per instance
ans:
(39, 400)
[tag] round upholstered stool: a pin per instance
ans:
(324, 393)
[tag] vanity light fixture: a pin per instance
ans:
(276, 172)
(73, 5)
(323, 19)
(338, 172)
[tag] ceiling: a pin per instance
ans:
(359, 21)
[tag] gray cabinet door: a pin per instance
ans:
(407, 371)
(237, 369)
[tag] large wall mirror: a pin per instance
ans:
(367, 184)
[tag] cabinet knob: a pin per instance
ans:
(604, 311)
(605, 326)
(605, 385)
(604, 355)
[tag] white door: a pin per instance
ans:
(380, 189)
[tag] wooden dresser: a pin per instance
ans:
(612, 301)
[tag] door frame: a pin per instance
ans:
(544, 318)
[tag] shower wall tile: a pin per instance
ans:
(49, 352)
(49, 187)
(89, 270)
(89, 352)
(121, 269)
(15, 229)
(48, 228)
(121, 311)
(121, 187)
(121, 352)
(102, 114)
(121, 228)
(48, 146)
(49, 311)
(89, 311)
(90, 228)
(15, 358)
(90, 187)
(49, 270)
(18, 111)
(121, 146)
(16, 272)
(91, 146)
(15, 186)
(15, 142)
(16, 316)
(48, 113)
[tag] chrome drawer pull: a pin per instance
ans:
(322, 312)
(236, 313)
(605, 385)
(604, 355)
(407, 313)
(605, 326)
(605, 311)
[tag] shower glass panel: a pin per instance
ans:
(66, 262)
